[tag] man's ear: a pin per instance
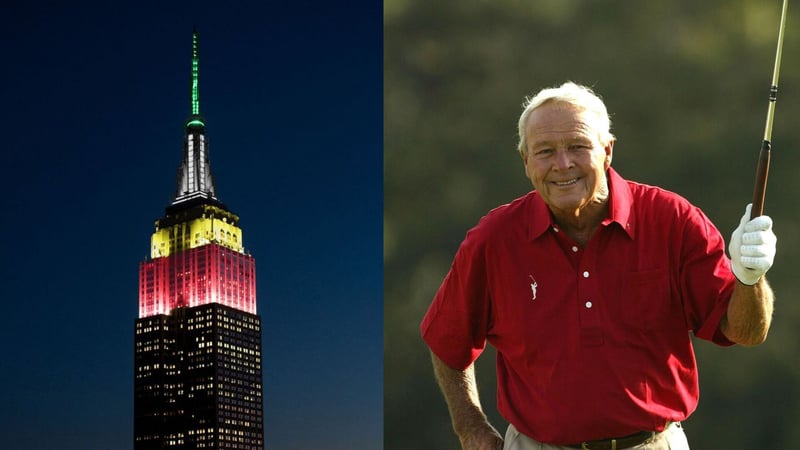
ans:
(609, 149)
(524, 155)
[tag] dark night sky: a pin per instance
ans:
(93, 98)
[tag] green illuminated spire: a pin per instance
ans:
(195, 63)
(195, 118)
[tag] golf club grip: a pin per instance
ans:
(762, 172)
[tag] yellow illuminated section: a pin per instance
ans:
(213, 226)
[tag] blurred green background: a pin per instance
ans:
(686, 83)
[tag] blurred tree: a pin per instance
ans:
(686, 83)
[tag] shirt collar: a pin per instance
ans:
(619, 209)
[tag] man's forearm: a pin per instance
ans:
(749, 313)
(461, 393)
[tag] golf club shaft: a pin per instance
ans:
(762, 171)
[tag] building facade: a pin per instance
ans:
(197, 356)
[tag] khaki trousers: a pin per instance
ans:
(673, 438)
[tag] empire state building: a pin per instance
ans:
(197, 360)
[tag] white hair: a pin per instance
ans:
(579, 96)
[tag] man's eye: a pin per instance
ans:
(579, 147)
(543, 152)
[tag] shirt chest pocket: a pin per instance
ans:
(647, 303)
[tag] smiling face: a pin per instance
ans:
(565, 159)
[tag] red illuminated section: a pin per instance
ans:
(207, 274)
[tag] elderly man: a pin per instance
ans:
(589, 287)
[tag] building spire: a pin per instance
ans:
(195, 119)
(194, 175)
(195, 77)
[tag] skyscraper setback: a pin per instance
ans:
(197, 361)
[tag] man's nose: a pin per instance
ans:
(563, 159)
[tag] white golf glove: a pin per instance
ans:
(752, 247)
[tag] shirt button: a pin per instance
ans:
(588, 304)
(586, 274)
(555, 229)
(574, 248)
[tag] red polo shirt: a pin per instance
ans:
(591, 342)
